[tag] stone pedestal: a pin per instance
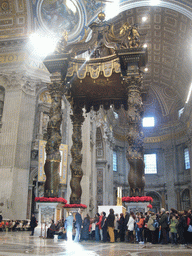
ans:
(49, 211)
(137, 206)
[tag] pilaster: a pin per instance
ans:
(15, 143)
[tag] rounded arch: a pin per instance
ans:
(156, 200)
(33, 174)
(185, 199)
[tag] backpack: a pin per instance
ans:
(156, 224)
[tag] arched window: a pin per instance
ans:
(186, 159)
(185, 200)
(2, 97)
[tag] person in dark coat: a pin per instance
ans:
(33, 224)
(110, 225)
(78, 223)
(1, 217)
(51, 230)
(85, 229)
(182, 224)
(125, 226)
(163, 222)
(121, 228)
(104, 227)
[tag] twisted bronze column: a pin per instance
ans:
(76, 171)
(135, 136)
(53, 157)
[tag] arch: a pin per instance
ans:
(32, 175)
(185, 199)
(156, 200)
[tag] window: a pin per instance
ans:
(115, 161)
(148, 122)
(150, 163)
(186, 159)
(180, 112)
(115, 115)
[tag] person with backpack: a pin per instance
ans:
(150, 226)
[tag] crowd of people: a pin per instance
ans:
(15, 225)
(164, 227)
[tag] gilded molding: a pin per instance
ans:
(154, 139)
(94, 70)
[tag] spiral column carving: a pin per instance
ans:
(53, 157)
(76, 171)
(135, 136)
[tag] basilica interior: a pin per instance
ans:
(28, 32)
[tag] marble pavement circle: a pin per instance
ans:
(57, 15)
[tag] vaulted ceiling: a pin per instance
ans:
(167, 32)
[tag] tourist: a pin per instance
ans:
(140, 226)
(69, 226)
(147, 233)
(173, 229)
(116, 226)
(189, 227)
(104, 227)
(110, 225)
(93, 229)
(151, 227)
(1, 217)
(121, 228)
(136, 227)
(33, 224)
(163, 222)
(182, 224)
(51, 230)
(130, 227)
(168, 228)
(97, 224)
(125, 225)
(100, 228)
(78, 223)
(85, 229)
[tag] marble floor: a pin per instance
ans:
(21, 243)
